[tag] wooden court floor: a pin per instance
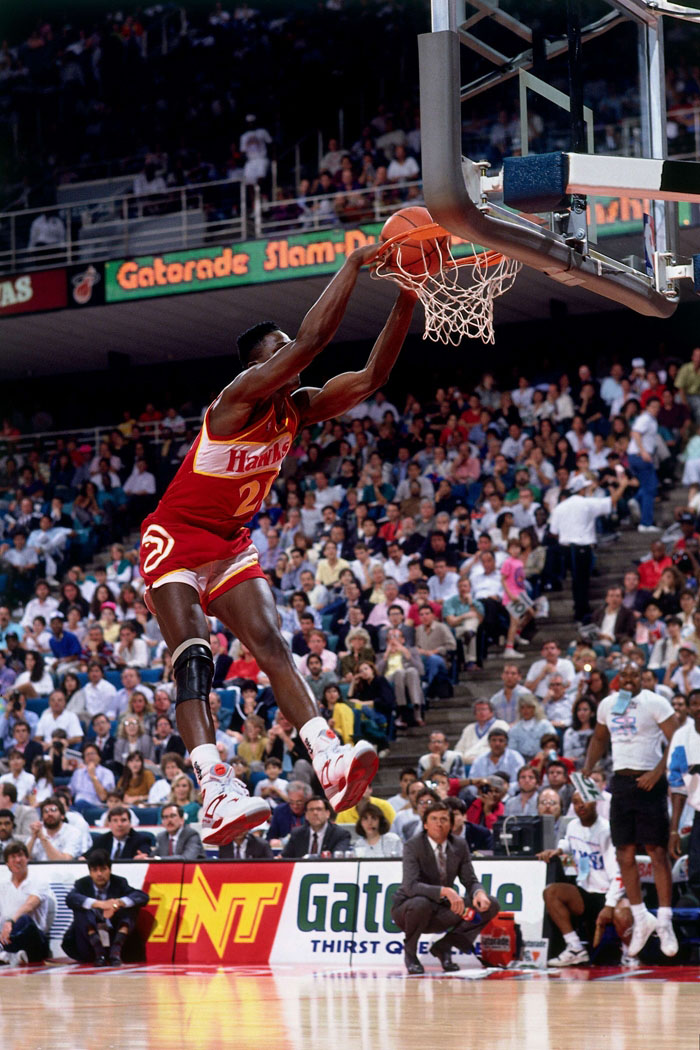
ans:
(256, 1008)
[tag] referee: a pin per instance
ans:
(636, 721)
(573, 523)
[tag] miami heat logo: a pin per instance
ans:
(162, 543)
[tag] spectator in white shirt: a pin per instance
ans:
(42, 604)
(53, 838)
(98, 696)
(542, 670)
(443, 584)
(57, 717)
(402, 167)
(642, 448)
(131, 651)
(47, 231)
(19, 776)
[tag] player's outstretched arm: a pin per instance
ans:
(343, 392)
(320, 324)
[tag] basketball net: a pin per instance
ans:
(452, 311)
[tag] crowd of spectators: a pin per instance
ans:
(199, 110)
(402, 547)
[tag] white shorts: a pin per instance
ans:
(214, 578)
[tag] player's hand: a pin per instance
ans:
(605, 917)
(368, 254)
(547, 854)
(647, 780)
(674, 845)
(457, 905)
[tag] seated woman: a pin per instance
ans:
(183, 793)
(375, 838)
(533, 556)
(359, 651)
(403, 668)
(35, 680)
(339, 715)
(525, 735)
(131, 736)
(577, 736)
(667, 593)
(373, 700)
(136, 781)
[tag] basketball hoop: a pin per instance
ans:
(452, 310)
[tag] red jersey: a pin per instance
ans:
(219, 487)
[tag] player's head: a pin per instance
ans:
(252, 342)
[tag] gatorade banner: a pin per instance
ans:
(258, 912)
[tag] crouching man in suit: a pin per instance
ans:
(426, 902)
(105, 908)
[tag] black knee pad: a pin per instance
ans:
(194, 672)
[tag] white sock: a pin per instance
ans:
(573, 941)
(638, 911)
(665, 916)
(317, 736)
(203, 757)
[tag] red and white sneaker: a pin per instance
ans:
(227, 808)
(345, 772)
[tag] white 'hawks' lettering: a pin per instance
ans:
(237, 460)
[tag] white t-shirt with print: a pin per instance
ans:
(636, 737)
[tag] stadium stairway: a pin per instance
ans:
(451, 716)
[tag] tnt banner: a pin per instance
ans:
(86, 285)
(26, 293)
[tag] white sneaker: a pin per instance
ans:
(669, 943)
(641, 932)
(227, 808)
(512, 654)
(519, 640)
(570, 957)
(648, 528)
(345, 772)
(13, 958)
(628, 961)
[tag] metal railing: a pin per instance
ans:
(209, 213)
(47, 441)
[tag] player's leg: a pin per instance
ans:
(228, 809)
(562, 901)
(663, 881)
(249, 610)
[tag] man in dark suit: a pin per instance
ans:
(121, 842)
(426, 902)
(616, 623)
(246, 847)
(319, 835)
(105, 908)
(178, 841)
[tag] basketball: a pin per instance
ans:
(413, 256)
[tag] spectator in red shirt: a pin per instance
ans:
(422, 597)
(392, 525)
(245, 667)
(488, 806)
(650, 571)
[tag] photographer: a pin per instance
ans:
(15, 711)
(488, 806)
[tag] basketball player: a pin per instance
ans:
(197, 557)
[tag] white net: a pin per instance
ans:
(454, 310)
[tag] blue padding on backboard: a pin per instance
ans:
(535, 183)
(696, 273)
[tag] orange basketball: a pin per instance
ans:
(414, 256)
